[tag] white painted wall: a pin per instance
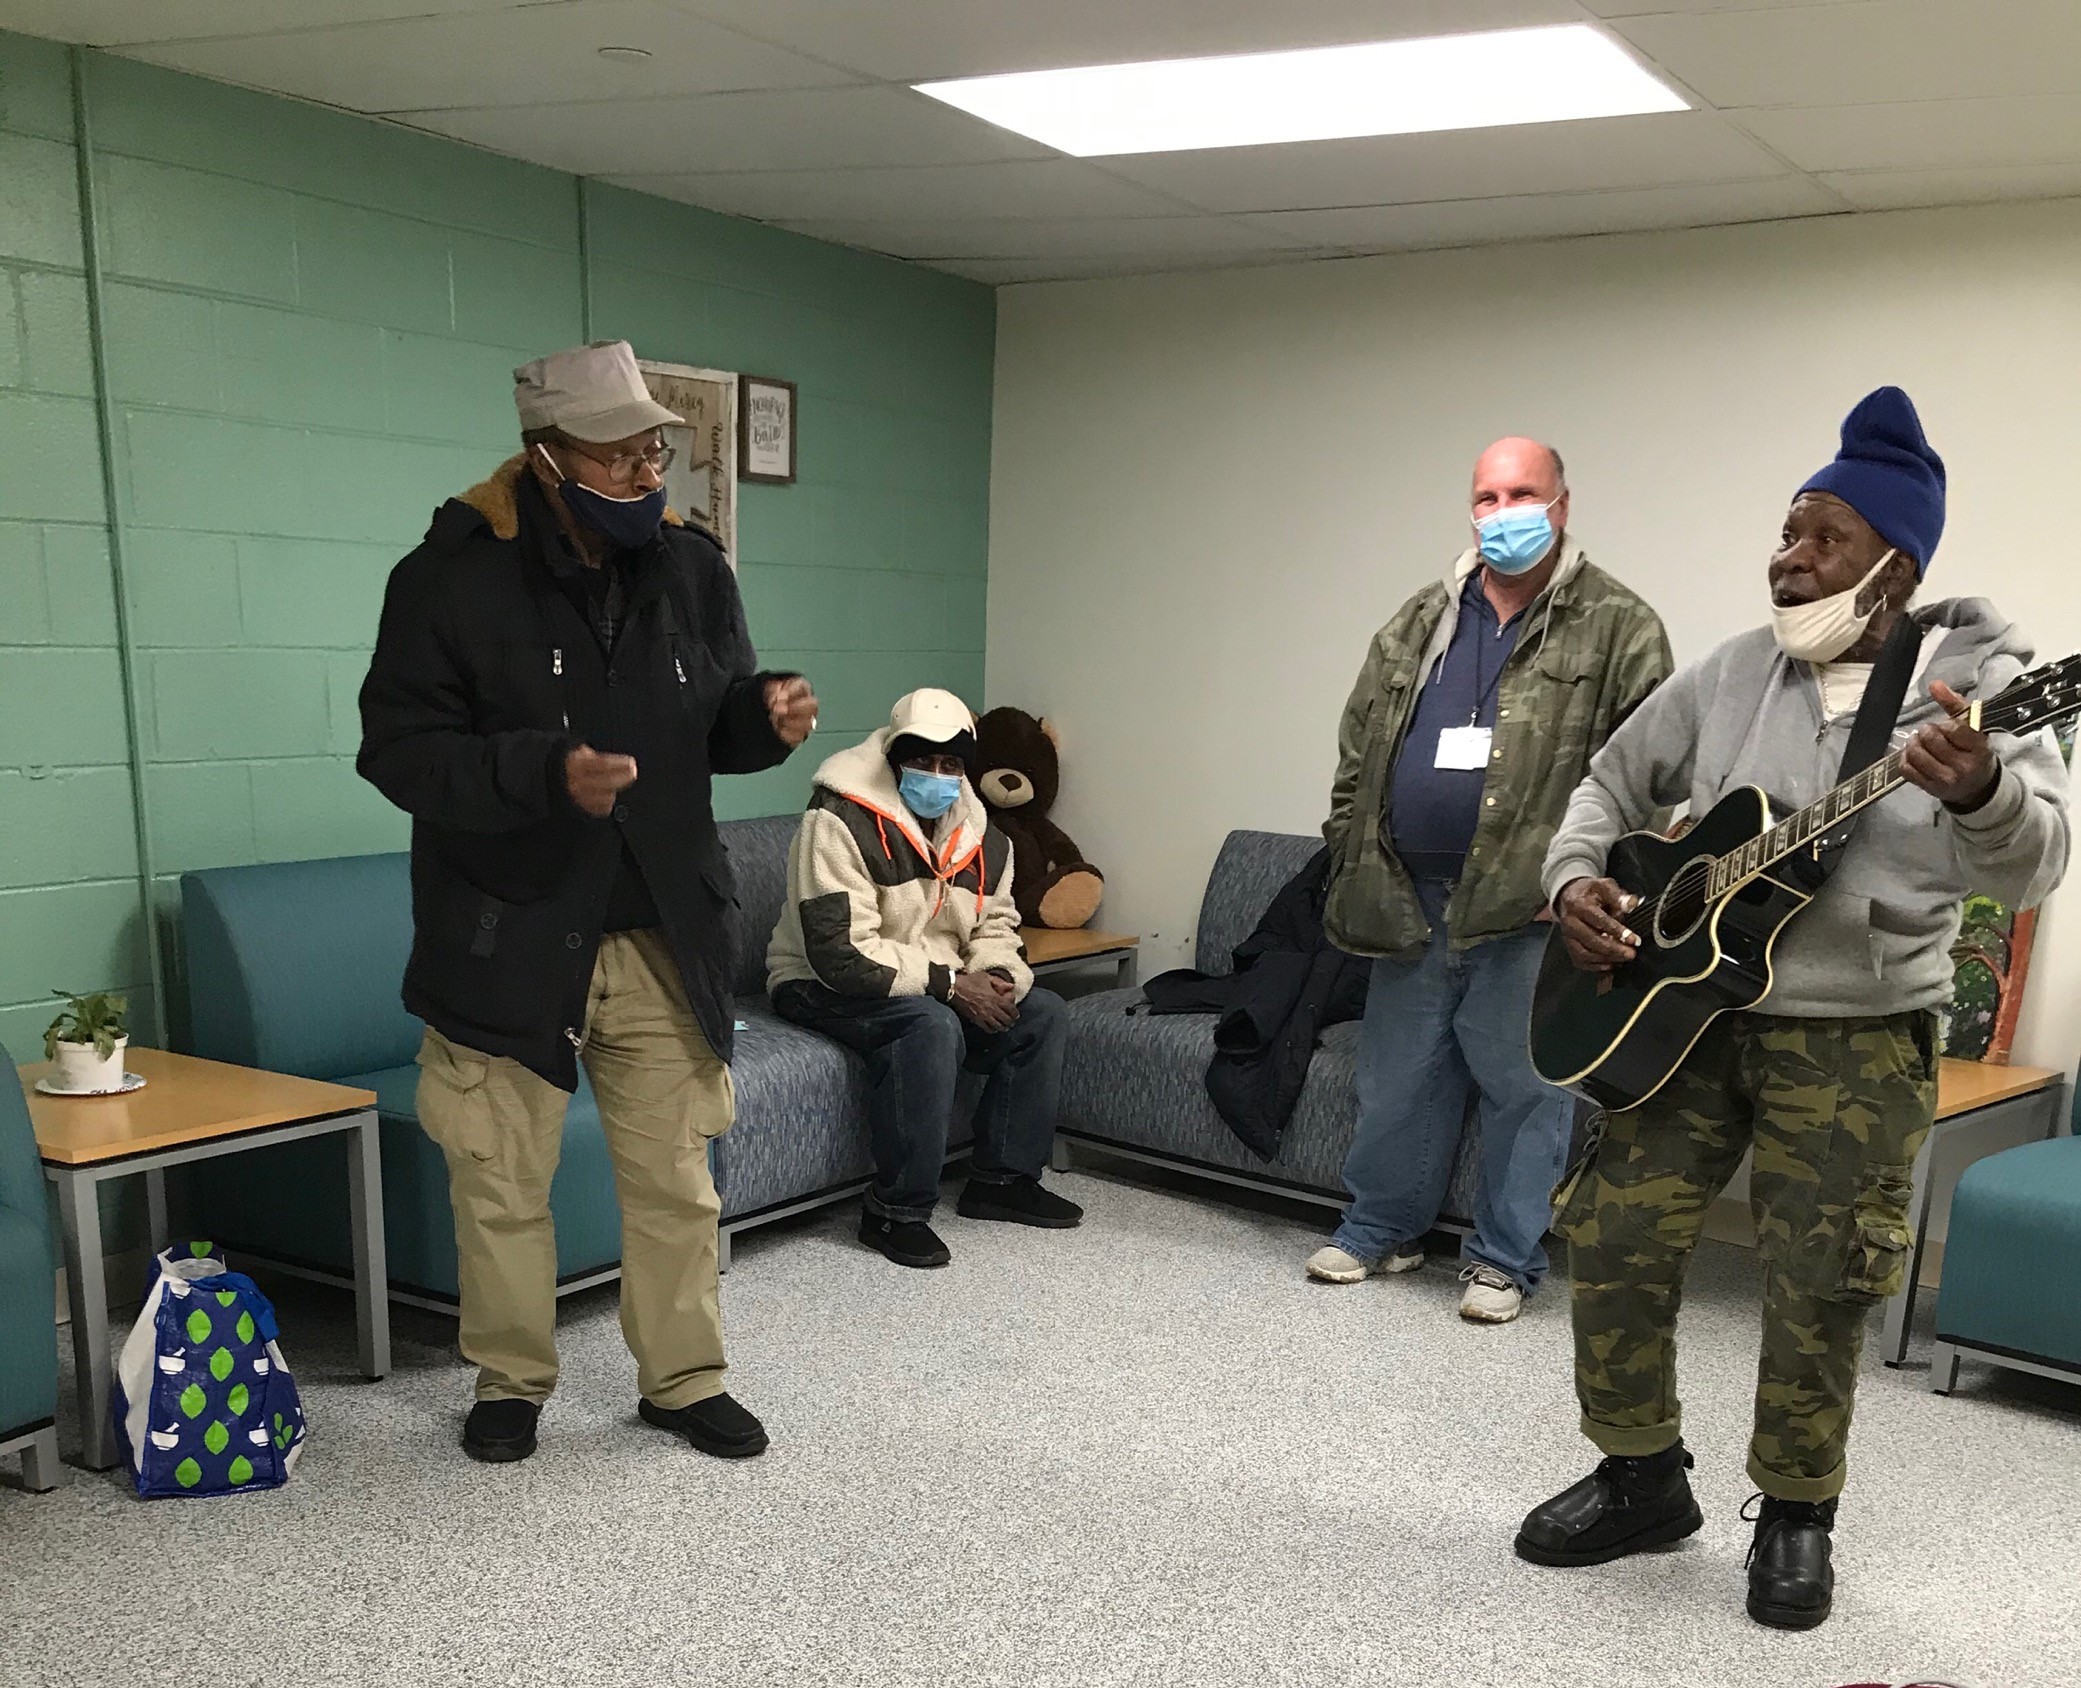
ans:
(1209, 490)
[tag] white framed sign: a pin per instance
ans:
(765, 429)
(702, 481)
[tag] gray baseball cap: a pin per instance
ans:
(593, 393)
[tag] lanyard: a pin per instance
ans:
(1484, 691)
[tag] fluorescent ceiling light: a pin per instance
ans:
(1480, 81)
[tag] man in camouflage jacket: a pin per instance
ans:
(1476, 714)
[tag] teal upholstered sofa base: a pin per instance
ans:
(2012, 1265)
(295, 967)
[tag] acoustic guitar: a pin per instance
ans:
(1712, 904)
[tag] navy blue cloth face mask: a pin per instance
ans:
(630, 523)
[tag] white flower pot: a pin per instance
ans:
(82, 1069)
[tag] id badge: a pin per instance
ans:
(1463, 747)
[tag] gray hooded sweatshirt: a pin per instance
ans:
(1877, 939)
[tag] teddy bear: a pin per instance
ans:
(1020, 758)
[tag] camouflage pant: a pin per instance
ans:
(1836, 1110)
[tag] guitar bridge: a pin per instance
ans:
(1604, 984)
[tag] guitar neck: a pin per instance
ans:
(1801, 829)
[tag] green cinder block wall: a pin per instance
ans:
(309, 326)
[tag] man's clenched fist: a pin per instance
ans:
(594, 779)
(792, 708)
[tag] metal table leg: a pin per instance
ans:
(86, 1283)
(371, 1263)
(161, 1227)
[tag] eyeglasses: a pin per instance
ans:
(621, 470)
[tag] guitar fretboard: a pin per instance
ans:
(1799, 830)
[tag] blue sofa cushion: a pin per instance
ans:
(296, 966)
(2012, 1259)
(28, 1324)
(28, 1321)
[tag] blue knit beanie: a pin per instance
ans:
(1888, 474)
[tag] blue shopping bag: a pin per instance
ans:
(202, 1399)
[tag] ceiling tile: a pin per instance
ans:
(1863, 53)
(1076, 237)
(998, 272)
(913, 40)
(1638, 8)
(1387, 228)
(548, 50)
(1893, 190)
(1614, 152)
(1924, 134)
(110, 23)
(1051, 188)
(817, 129)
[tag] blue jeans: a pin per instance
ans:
(1435, 1030)
(915, 1047)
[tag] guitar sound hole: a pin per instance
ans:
(1681, 908)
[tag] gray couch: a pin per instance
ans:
(1135, 1084)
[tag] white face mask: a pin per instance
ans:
(1822, 630)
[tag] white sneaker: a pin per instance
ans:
(1331, 1265)
(1490, 1298)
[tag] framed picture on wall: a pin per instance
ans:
(702, 482)
(765, 429)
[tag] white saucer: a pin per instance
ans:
(131, 1081)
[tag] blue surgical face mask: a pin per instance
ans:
(930, 795)
(630, 523)
(1516, 538)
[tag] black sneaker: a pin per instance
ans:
(1021, 1200)
(1624, 1506)
(717, 1426)
(1791, 1574)
(499, 1432)
(908, 1242)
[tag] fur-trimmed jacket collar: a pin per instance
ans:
(496, 499)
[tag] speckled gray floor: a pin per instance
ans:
(1145, 1452)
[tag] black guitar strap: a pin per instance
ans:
(1871, 733)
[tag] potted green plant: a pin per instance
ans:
(87, 1040)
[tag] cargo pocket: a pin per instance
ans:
(454, 1106)
(1572, 1200)
(1876, 1264)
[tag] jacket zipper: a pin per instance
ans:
(678, 669)
(556, 667)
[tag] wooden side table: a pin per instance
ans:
(191, 1110)
(1988, 1109)
(1051, 951)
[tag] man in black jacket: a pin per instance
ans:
(561, 667)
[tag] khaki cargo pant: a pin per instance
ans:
(1836, 1110)
(663, 1096)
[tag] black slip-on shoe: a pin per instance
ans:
(499, 1432)
(1022, 1201)
(908, 1242)
(717, 1426)
(1624, 1506)
(1791, 1564)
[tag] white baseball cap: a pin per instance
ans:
(593, 393)
(930, 714)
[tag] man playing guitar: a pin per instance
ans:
(1832, 1076)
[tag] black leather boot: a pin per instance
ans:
(1624, 1506)
(1791, 1569)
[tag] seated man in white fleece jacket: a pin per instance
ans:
(900, 939)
